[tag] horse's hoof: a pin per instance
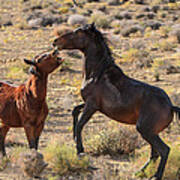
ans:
(140, 173)
(75, 139)
(81, 155)
(154, 178)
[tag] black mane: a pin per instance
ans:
(102, 41)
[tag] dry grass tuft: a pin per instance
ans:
(63, 160)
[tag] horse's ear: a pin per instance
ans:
(30, 62)
(93, 26)
(55, 52)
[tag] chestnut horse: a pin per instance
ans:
(25, 105)
(107, 89)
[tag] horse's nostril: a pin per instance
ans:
(54, 43)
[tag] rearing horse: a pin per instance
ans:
(107, 89)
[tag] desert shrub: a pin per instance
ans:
(164, 30)
(100, 19)
(63, 10)
(17, 70)
(165, 45)
(3, 163)
(62, 159)
(115, 141)
(141, 58)
(130, 55)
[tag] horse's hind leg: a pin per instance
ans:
(3, 132)
(158, 145)
(154, 156)
(75, 113)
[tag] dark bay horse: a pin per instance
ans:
(107, 89)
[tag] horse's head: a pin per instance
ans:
(44, 63)
(80, 38)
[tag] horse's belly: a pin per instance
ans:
(120, 111)
(123, 117)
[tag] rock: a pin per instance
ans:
(155, 8)
(8, 23)
(175, 32)
(170, 69)
(150, 15)
(146, 9)
(172, 1)
(34, 15)
(39, 19)
(153, 24)
(32, 163)
(50, 20)
(131, 29)
(102, 8)
(35, 22)
(176, 99)
(178, 174)
(126, 15)
(139, 1)
(77, 19)
(165, 8)
(93, 0)
(178, 36)
(36, 7)
(68, 102)
(175, 17)
(113, 2)
(141, 15)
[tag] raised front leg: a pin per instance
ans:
(3, 132)
(88, 111)
(75, 113)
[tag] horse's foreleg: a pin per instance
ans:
(38, 132)
(3, 132)
(75, 113)
(88, 111)
(29, 130)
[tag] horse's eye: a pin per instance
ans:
(39, 60)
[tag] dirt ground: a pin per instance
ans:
(20, 41)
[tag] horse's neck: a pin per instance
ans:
(94, 63)
(37, 87)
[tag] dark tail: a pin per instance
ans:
(176, 111)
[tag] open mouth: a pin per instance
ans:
(60, 60)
